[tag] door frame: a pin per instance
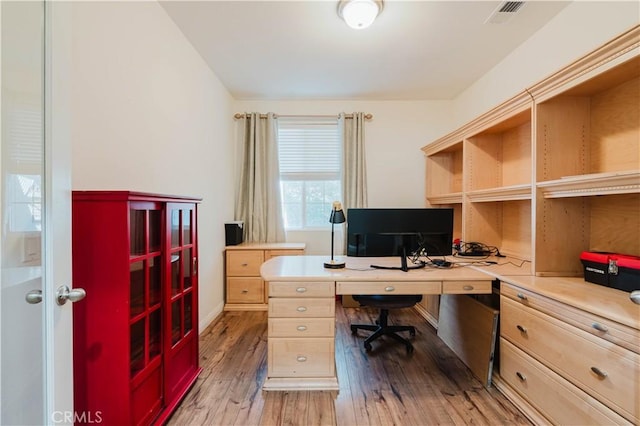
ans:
(57, 213)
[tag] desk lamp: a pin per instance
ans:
(337, 216)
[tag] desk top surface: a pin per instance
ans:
(311, 268)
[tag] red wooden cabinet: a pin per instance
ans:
(136, 333)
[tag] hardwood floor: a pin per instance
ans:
(383, 387)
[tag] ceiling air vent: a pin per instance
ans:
(504, 12)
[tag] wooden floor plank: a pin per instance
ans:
(386, 386)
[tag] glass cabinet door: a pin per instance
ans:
(183, 270)
(145, 285)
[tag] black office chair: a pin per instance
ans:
(384, 303)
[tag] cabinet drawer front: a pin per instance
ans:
(244, 263)
(302, 308)
(557, 399)
(612, 331)
(604, 370)
(301, 327)
(245, 290)
(466, 287)
(301, 357)
(396, 287)
(268, 254)
(301, 289)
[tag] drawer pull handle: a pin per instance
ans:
(301, 358)
(601, 374)
(521, 328)
(245, 291)
(301, 289)
(301, 309)
(635, 296)
(522, 296)
(244, 264)
(521, 376)
(302, 328)
(467, 287)
(600, 327)
(390, 288)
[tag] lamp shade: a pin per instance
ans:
(359, 14)
(337, 214)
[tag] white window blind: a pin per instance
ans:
(310, 160)
(309, 149)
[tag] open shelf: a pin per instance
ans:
(452, 198)
(504, 224)
(505, 193)
(444, 175)
(568, 226)
(627, 182)
(500, 156)
(591, 129)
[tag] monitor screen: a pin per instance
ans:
(393, 231)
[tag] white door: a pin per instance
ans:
(36, 372)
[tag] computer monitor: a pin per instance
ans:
(398, 231)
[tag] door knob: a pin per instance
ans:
(73, 295)
(33, 297)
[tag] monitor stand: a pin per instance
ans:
(403, 263)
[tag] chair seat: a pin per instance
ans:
(384, 301)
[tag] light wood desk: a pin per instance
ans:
(301, 330)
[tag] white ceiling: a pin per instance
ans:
(302, 50)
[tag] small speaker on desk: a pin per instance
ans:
(233, 232)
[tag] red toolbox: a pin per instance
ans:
(615, 270)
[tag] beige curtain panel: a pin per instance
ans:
(354, 170)
(258, 196)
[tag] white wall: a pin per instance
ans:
(395, 164)
(578, 29)
(149, 115)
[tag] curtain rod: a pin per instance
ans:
(238, 116)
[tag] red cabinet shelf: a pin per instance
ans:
(135, 334)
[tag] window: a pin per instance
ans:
(24, 195)
(22, 156)
(310, 156)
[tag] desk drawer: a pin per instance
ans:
(301, 327)
(245, 290)
(244, 263)
(301, 289)
(466, 287)
(301, 308)
(604, 328)
(553, 396)
(301, 357)
(399, 287)
(604, 370)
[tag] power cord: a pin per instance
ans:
(475, 249)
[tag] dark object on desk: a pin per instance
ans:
(233, 233)
(385, 303)
(441, 263)
(391, 231)
(615, 270)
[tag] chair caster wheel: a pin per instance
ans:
(412, 333)
(409, 349)
(367, 347)
(354, 330)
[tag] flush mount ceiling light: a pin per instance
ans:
(359, 14)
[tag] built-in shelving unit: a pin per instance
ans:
(555, 170)
(551, 173)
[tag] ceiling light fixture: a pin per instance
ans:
(359, 14)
